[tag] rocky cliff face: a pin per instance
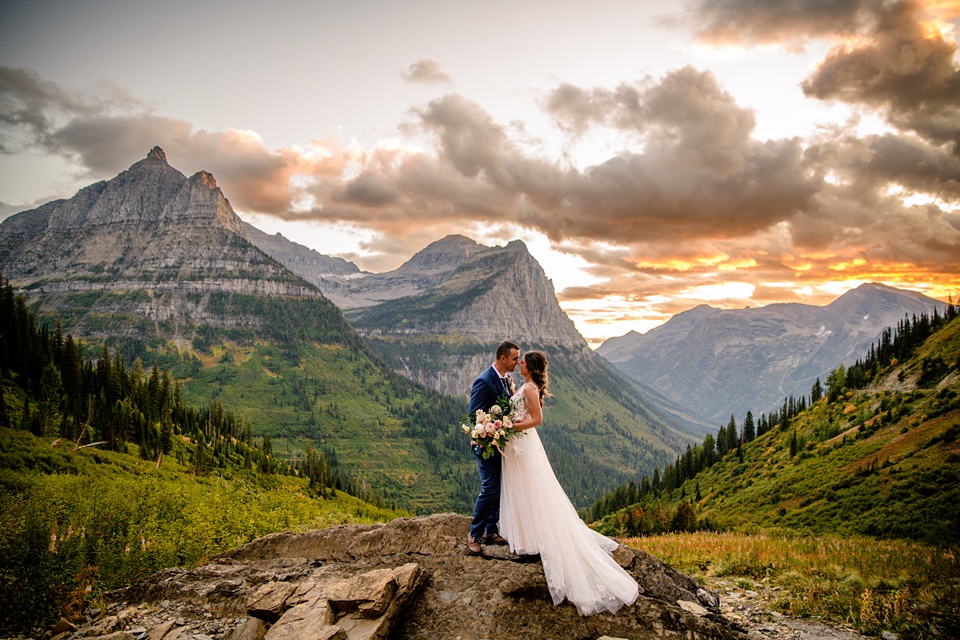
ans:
(150, 229)
(487, 294)
(149, 224)
(305, 262)
(721, 362)
(407, 579)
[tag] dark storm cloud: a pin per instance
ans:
(30, 107)
(426, 71)
(369, 190)
(778, 22)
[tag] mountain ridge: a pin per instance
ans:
(715, 362)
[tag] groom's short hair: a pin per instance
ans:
(505, 348)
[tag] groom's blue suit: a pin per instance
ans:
(487, 388)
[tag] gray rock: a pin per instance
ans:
(414, 573)
(692, 607)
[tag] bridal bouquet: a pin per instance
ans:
(491, 429)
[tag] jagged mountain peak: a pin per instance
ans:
(205, 179)
(148, 224)
(157, 154)
(442, 255)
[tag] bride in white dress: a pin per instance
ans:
(536, 517)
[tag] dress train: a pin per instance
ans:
(537, 517)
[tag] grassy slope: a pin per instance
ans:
(878, 462)
(337, 399)
(74, 524)
(299, 373)
(872, 585)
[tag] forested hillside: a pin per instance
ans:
(107, 475)
(874, 451)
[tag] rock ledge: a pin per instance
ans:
(409, 578)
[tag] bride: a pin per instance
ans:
(536, 517)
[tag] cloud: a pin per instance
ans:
(760, 22)
(31, 108)
(426, 71)
(904, 66)
(898, 58)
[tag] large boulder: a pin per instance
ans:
(409, 578)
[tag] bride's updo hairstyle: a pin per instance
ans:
(536, 363)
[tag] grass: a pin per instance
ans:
(76, 524)
(906, 587)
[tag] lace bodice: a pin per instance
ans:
(518, 401)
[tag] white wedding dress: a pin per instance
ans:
(536, 516)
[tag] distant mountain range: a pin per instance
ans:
(718, 362)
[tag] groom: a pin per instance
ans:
(490, 385)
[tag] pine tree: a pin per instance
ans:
(816, 392)
(733, 438)
(749, 429)
(836, 382)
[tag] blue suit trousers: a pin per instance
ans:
(486, 512)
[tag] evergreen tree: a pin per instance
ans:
(685, 518)
(816, 392)
(51, 400)
(733, 438)
(749, 429)
(836, 382)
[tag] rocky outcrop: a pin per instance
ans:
(406, 579)
(717, 362)
(310, 265)
(153, 243)
(148, 225)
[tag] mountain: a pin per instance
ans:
(303, 261)
(159, 265)
(150, 227)
(719, 362)
(438, 318)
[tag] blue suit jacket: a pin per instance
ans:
(487, 388)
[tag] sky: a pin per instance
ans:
(653, 156)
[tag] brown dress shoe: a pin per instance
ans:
(494, 538)
(473, 547)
